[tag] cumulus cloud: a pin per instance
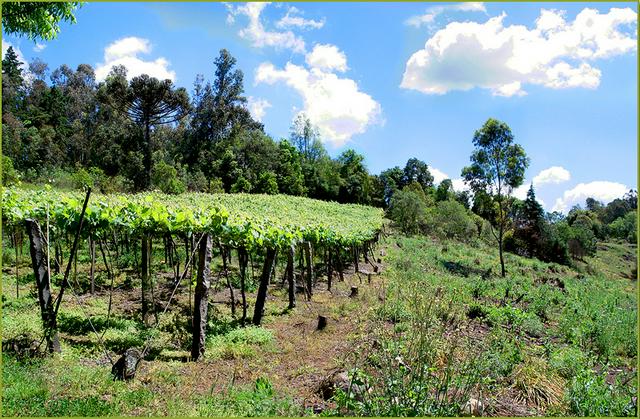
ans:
(327, 57)
(256, 33)
(293, 19)
(334, 104)
(257, 107)
(552, 175)
(438, 175)
(126, 52)
(601, 190)
(459, 185)
(432, 12)
(554, 53)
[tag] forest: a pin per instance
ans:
(163, 255)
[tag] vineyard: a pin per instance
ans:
(190, 228)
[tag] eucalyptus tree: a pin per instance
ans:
(497, 167)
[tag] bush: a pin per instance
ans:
(267, 183)
(9, 175)
(451, 220)
(165, 177)
(408, 210)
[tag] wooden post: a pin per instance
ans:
(224, 252)
(15, 245)
(92, 252)
(201, 298)
(308, 254)
(290, 277)
(322, 322)
(262, 289)
(146, 280)
(329, 271)
(39, 262)
(243, 258)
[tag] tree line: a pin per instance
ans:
(65, 128)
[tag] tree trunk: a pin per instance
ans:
(147, 156)
(290, 277)
(39, 262)
(308, 254)
(500, 236)
(264, 283)
(201, 298)
(146, 280)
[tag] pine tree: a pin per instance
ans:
(12, 82)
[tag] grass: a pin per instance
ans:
(545, 340)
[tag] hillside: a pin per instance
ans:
(436, 332)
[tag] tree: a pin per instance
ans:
(150, 102)
(12, 81)
(354, 174)
(497, 166)
(391, 181)
(408, 210)
(289, 172)
(445, 190)
(304, 136)
(37, 19)
(417, 171)
(218, 108)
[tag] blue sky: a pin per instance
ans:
(401, 80)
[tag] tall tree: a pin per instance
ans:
(356, 186)
(417, 171)
(12, 81)
(218, 108)
(150, 102)
(497, 167)
(36, 19)
(305, 137)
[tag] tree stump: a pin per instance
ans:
(126, 366)
(354, 292)
(322, 322)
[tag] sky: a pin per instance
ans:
(401, 80)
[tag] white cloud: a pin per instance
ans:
(39, 47)
(601, 190)
(438, 175)
(335, 105)
(290, 20)
(490, 55)
(432, 12)
(327, 57)
(552, 175)
(125, 52)
(459, 185)
(257, 107)
(256, 33)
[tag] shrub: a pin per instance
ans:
(165, 177)
(9, 175)
(451, 220)
(407, 209)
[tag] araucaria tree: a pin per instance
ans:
(497, 167)
(150, 102)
